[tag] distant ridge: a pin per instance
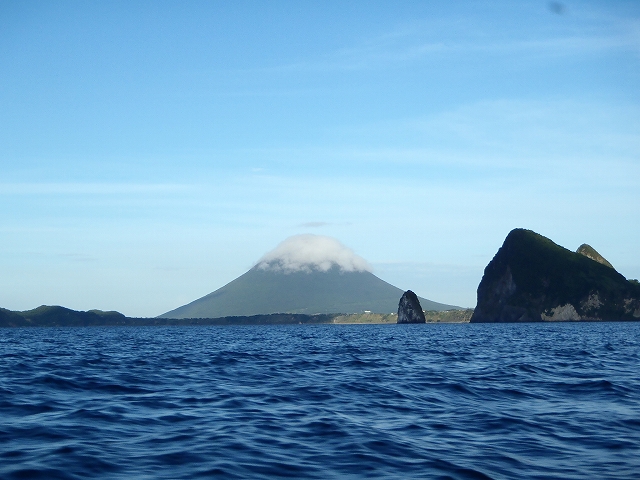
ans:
(56, 316)
(266, 290)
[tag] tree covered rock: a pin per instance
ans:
(531, 279)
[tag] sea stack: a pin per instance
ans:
(409, 309)
(532, 279)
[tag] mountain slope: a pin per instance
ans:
(263, 291)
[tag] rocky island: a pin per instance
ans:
(532, 279)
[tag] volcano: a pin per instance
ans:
(305, 274)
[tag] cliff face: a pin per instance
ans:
(532, 279)
(409, 309)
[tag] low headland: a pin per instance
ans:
(56, 316)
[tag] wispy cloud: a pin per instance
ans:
(314, 224)
(23, 188)
(77, 257)
(383, 55)
(561, 140)
(585, 32)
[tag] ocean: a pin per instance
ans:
(449, 401)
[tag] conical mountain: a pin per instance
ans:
(305, 274)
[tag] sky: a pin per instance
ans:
(151, 152)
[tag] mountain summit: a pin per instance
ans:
(304, 274)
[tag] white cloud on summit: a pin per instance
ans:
(312, 252)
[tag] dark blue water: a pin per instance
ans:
(322, 401)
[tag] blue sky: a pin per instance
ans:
(151, 152)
